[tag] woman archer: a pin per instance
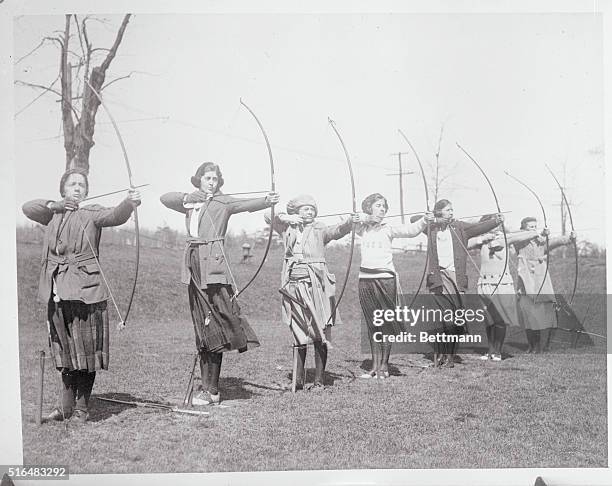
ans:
(537, 302)
(447, 279)
(219, 326)
(307, 287)
(73, 287)
(497, 290)
(378, 281)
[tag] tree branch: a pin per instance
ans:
(41, 43)
(55, 39)
(88, 45)
(122, 77)
(39, 86)
(45, 91)
(76, 21)
(118, 39)
(440, 141)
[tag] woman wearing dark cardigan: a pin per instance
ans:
(447, 277)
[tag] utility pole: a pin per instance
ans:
(401, 175)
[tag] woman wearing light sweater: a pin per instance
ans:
(377, 276)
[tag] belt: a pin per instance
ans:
(64, 262)
(532, 260)
(198, 241)
(294, 260)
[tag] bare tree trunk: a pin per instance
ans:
(66, 79)
(78, 139)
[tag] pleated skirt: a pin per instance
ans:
(78, 335)
(217, 322)
(309, 322)
(378, 294)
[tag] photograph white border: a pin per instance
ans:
(10, 418)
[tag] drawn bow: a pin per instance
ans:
(272, 189)
(416, 156)
(499, 211)
(121, 324)
(545, 225)
(569, 212)
(354, 206)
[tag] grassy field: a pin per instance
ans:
(527, 411)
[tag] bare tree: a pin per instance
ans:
(440, 172)
(78, 70)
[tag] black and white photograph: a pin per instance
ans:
(328, 244)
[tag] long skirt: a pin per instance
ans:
(309, 320)
(534, 314)
(378, 294)
(217, 322)
(78, 335)
(501, 307)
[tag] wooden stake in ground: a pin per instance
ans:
(189, 390)
(41, 381)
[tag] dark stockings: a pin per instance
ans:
(320, 362)
(210, 370)
(76, 390)
(538, 341)
(299, 363)
(496, 335)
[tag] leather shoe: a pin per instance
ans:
(79, 417)
(57, 415)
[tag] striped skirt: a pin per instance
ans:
(378, 294)
(78, 335)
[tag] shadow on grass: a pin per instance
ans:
(366, 365)
(330, 378)
(100, 410)
(233, 388)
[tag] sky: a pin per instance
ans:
(515, 90)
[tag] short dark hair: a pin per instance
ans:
(526, 220)
(441, 204)
(67, 174)
(368, 202)
(196, 180)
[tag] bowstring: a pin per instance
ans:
(80, 221)
(222, 246)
